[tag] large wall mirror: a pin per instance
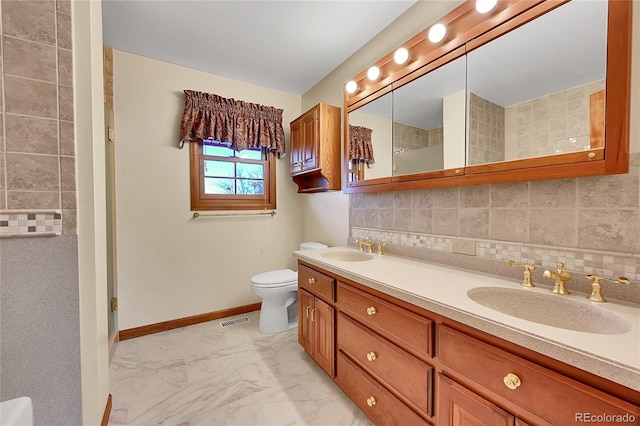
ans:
(520, 93)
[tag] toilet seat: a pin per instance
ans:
(278, 278)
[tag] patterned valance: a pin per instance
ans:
(360, 147)
(243, 124)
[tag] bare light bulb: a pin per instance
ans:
(351, 87)
(437, 33)
(483, 6)
(373, 73)
(401, 56)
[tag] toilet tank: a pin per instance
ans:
(312, 245)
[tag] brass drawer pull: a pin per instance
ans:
(371, 401)
(371, 356)
(307, 310)
(512, 381)
(312, 312)
(371, 311)
(312, 280)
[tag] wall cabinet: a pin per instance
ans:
(402, 364)
(315, 149)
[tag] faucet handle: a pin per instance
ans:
(360, 242)
(526, 282)
(381, 245)
(596, 288)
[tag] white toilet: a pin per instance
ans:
(279, 293)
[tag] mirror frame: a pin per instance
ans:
(468, 30)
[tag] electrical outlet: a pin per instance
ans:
(467, 247)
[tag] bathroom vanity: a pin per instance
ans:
(404, 340)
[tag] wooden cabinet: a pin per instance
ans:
(404, 365)
(551, 397)
(315, 149)
(316, 317)
(459, 406)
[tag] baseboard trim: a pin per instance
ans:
(107, 411)
(183, 322)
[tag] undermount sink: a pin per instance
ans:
(347, 255)
(549, 309)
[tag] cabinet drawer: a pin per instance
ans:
(316, 282)
(403, 372)
(374, 400)
(408, 330)
(549, 395)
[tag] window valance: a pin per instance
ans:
(360, 147)
(242, 124)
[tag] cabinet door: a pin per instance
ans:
(305, 326)
(297, 142)
(323, 336)
(311, 141)
(458, 406)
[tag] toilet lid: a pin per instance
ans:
(278, 278)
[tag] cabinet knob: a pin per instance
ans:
(371, 356)
(371, 311)
(512, 381)
(371, 401)
(312, 280)
(591, 155)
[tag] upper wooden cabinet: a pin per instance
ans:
(315, 149)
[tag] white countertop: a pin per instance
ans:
(443, 290)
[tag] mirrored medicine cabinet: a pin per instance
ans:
(526, 91)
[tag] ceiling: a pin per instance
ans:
(283, 45)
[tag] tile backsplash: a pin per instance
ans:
(591, 224)
(37, 154)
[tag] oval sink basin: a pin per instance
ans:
(347, 255)
(549, 309)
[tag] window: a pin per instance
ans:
(225, 179)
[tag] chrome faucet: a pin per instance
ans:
(561, 278)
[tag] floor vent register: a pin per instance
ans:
(232, 322)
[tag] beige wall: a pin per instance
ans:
(326, 215)
(90, 177)
(170, 265)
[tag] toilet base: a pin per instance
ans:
(276, 318)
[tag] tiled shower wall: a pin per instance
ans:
(592, 223)
(486, 131)
(408, 138)
(543, 126)
(37, 157)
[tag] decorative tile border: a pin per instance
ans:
(32, 223)
(607, 264)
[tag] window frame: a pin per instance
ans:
(202, 201)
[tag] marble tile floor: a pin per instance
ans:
(206, 375)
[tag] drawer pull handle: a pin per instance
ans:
(312, 280)
(371, 356)
(371, 401)
(312, 312)
(371, 311)
(512, 381)
(307, 310)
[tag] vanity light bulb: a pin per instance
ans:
(401, 56)
(483, 6)
(437, 33)
(373, 73)
(352, 86)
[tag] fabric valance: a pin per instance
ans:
(242, 124)
(360, 147)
